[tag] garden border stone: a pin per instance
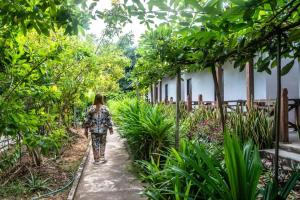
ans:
(79, 173)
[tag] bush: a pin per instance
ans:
(203, 123)
(255, 125)
(197, 171)
(146, 128)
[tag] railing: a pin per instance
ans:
(5, 142)
(293, 105)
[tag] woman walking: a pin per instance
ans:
(98, 120)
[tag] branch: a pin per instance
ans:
(23, 79)
(281, 10)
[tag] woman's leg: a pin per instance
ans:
(96, 146)
(102, 145)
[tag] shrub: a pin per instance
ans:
(203, 123)
(146, 128)
(255, 125)
(197, 172)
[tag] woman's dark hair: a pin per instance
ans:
(98, 99)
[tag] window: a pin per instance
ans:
(156, 94)
(166, 92)
(189, 87)
(160, 91)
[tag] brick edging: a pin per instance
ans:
(79, 173)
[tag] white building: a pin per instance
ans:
(234, 85)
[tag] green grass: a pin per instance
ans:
(14, 189)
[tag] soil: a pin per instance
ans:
(58, 172)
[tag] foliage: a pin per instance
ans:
(17, 188)
(34, 183)
(146, 128)
(9, 158)
(215, 31)
(45, 79)
(203, 123)
(254, 124)
(270, 192)
(43, 16)
(196, 172)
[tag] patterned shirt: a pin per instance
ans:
(98, 122)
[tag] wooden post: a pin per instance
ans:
(250, 83)
(189, 103)
(278, 105)
(151, 94)
(178, 99)
(219, 97)
(297, 114)
(160, 91)
(284, 117)
(155, 93)
(200, 100)
(219, 73)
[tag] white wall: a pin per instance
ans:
(171, 88)
(234, 83)
(202, 83)
(260, 85)
(289, 81)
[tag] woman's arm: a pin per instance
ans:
(109, 122)
(87, 122)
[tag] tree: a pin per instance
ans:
(45, 79)
(244, 29)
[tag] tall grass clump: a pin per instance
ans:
(203, 123)
(147, 128)
(198, 171)
(255, 125)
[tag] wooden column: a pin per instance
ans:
(219, 72)
(151, 94)
(166, 101)
(160, 91)
(297, 115)
(218, 94)
(284, 117)
(200, 100)
(155, 93)
(189, 103)
(250, 84)
(178, 114)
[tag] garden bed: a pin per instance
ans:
(25, 181)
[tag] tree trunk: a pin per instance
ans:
(219, 99)
(178, 99)
(278, 103)
(250, 84)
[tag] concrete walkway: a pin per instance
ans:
(112, 180)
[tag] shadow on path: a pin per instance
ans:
(112, 180)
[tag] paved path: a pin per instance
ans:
(112, 180)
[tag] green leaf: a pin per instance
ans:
(184, 23)
(294, 35)
(238, 2)
(273, 4)
(186, 14)
(139, 4)
(287, 68)
(248, 14)
(93, 5)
